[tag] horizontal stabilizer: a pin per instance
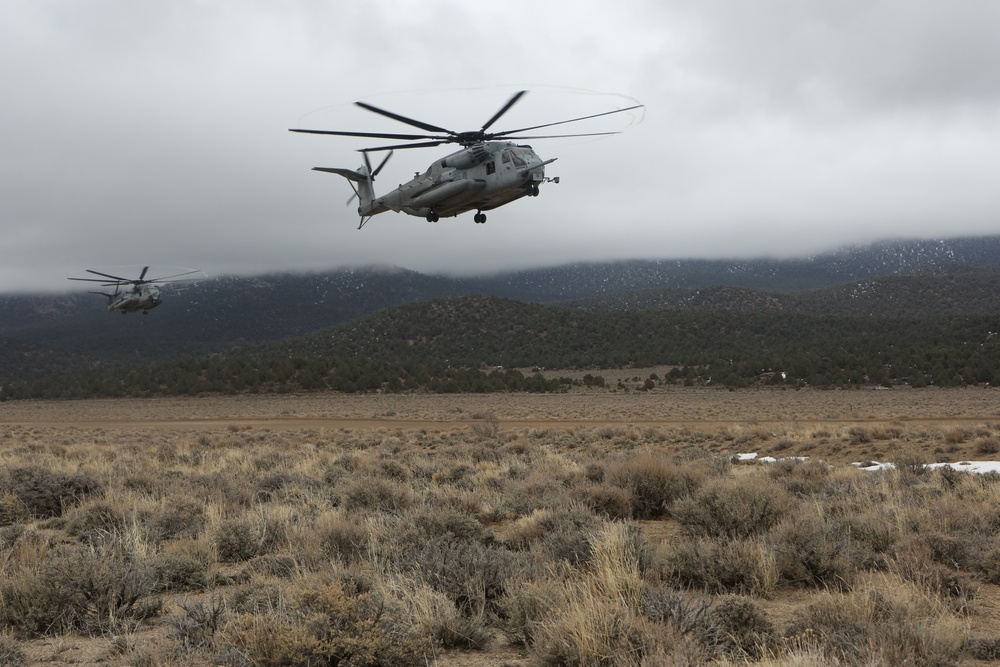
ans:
(346, 173)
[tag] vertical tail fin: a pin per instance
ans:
(361, 180)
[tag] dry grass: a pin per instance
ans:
(595, 529)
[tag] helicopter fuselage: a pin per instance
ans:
(140, 297)
(481, 177)
(478, 178)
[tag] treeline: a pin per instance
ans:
(278, 375)
(461, 344)
(730, 346)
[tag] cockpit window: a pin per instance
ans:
(505, 156)
(519, 158)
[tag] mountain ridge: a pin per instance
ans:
(45, 334)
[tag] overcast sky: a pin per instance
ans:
(136, 133)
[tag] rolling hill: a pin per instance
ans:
(616, 304)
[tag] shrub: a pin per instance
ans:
(281, 566)
(457, 631)
(721, 565)
(591, 631)
(179, 572)
(12, 509)
(45, 493)
(654, 482)
(562, 535)
(734, 507)
(979, 648)
(10, 535)
(613, 502)
(802, 478)
(181, 517)
(670, 607)
(11, 654)
(523, 608)
(241, 539)
(94, 520)
(472, 575)
(197, 626)
(341, 537)
(375, 495)
(488, 428)
(956, 435)
(451, 524)
(919, 558)
(595, 473)
(737, 628)
(872, 627)
(330, 625)
(812, 552)
(987, 445)
(96, 590)
(989, 568)
(268, 487)
(872, 530)
(256, 599)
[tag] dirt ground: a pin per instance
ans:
(671, 406)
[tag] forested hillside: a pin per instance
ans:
(473, 343)
(389, 329)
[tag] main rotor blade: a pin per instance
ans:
(176, 275)
(100, 280)
(403, 119)
(511, 102)
(143, 274)
(560, 136)
(371, 135)
(379, 168)
(563, 122)
(106, 275)
(425, 144)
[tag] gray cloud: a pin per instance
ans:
(138, 133)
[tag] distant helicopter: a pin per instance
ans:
(143, 294)
(484, 175)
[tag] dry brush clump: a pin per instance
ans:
(605, 546)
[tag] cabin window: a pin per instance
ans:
(491, 167)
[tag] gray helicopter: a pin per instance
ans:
(490, 171)
(143, 294)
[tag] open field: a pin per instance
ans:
(589, 528)
(666, 406)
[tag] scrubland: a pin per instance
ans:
(595, 529)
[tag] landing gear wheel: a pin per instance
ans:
(533, 191)
(432, 217)
(479, 218)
